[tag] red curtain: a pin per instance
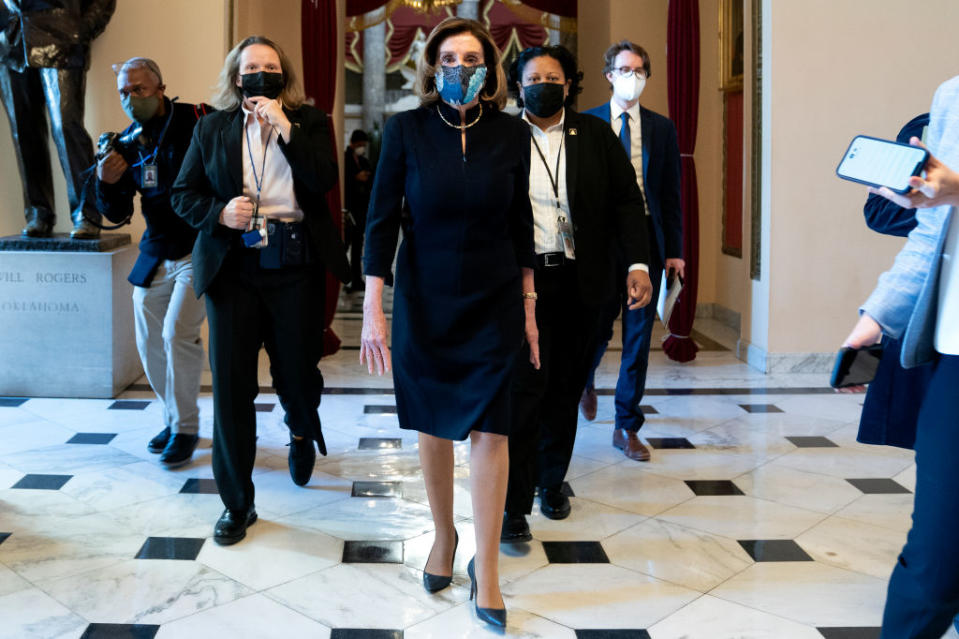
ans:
(682, 61)
(319, 81)
(359, 7)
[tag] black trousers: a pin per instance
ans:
(28, 99)
(249, 307)
(923, 595)
(354, 247)
(545, 401)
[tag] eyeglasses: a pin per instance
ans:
(627, 72)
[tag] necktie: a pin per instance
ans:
(624, 133)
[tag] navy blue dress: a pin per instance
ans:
(458, 319)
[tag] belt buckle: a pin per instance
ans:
(552, 259)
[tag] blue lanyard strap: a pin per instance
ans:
(257, 178)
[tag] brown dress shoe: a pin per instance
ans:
(587, 403)
(628, 442)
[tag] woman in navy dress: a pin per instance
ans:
(453, 174)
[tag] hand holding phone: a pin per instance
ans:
(855, 366)
(882, 163)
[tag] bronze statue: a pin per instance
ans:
(44, 56)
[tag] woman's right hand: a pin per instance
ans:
(373, 346)
(237, 213)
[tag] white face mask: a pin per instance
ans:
(628, 88)
(360, 150)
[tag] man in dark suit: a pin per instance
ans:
(358, 179)
(587, 208)
(650, 142)
(253, 183)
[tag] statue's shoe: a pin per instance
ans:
(84, 230)
(37, 228)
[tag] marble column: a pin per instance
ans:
(468, 9)
(374, 76)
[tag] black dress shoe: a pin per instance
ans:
(179, 450)
(515, 529)
(301, 459)
(435, 583)
(37, 228)
(231, 526)
(493, 616)
(553, 503)
(158, 443)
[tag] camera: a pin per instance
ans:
(126, 145)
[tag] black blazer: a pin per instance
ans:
(661, 178)
(212, 175)
(606, 206)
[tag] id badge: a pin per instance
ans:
(257, 236)
(566, 233)
(148, 175)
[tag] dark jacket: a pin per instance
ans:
(167, 236)
(212, 175)
(661, 179)
(357, 193)
(605, 204)
(890, 412)
(51, 33)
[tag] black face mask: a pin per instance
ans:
(263, 83)
(543, 99)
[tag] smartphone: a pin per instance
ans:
(876, 162)
(855, 366)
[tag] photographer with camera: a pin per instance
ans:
(146, 158)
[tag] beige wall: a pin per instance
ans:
(868, 68)
(187, 38)
(278, 20)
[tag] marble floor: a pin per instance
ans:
(759, 516)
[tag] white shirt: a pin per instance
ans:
(947, 319)
(547, 205)
(277, 199)
(635, 140)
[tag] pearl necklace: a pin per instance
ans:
(461, 127)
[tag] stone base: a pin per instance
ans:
(62, 242)
(66, 321)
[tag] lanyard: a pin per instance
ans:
(554, 181)
(150, 159)
(257, 178)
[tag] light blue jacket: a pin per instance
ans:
(905, 302)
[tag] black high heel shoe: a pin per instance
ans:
(492, 616)
(435, 583)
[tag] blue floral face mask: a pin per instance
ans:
(460, 85)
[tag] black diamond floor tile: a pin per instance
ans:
(761, 408)
(12, 402)
(813, 442)
(762, 550)
(129, 404)
(567, 490)
(42, 482)
(713, 487)
(120, 631)
(365, 633)
(379, 409)
(262, 407)
(849, 633)
(662, 443)
(184, 548)
(92, 438)
(373, 552)
(376, 443)
(194, 486)
(377, 489)
(879, 486)
(575, 552)
(3, 537)
(648, 410)
(619, 633)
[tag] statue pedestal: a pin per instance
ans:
(66, 317)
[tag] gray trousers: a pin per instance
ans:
(168, 321)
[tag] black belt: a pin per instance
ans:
(551, 260)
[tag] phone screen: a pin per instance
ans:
(881, 163)
(855, 367)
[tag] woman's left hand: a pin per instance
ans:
(272, 113)
(532, 332)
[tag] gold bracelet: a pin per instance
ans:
(530, 296)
